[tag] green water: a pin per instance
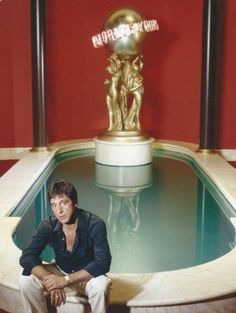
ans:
(162, 216)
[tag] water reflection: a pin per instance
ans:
(159, 216)
(123, 186)
(213, 226)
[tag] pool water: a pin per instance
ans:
(160, 217)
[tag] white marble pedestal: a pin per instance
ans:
(123, 151)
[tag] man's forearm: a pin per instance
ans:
(40, 272)
(78, 277)
(52, 281)
(57, 295)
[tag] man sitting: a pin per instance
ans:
(82, 256)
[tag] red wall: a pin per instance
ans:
(76, 70)
(15, 74)
(5, 165)
(227, 76)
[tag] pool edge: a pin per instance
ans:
(200, 283)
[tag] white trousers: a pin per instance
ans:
(34, 300)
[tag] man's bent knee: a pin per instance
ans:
(98, 284)
(29, 282)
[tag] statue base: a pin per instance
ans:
(123, 148)
(123, 180)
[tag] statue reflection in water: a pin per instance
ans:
(123, 215)
(124, 186)
(123, 225)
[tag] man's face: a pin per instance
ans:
(63, 208)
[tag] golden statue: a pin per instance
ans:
(132, 83)
(125, 87)
(124, 32)
(114, 111)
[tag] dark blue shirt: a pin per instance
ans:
(90, 251)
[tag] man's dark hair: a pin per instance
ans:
(61, 187)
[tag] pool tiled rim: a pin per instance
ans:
(213, 284)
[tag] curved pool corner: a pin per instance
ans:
(203, 288)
